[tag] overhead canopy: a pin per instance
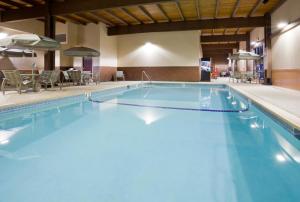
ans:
(16, 53)
(244, 56)
(29, 41)
(81, 52)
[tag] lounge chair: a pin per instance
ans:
(120, 75)
(13, 80)
(48, 77)
(86, 77)
(75, 76)
(66, 76)
(237, 76)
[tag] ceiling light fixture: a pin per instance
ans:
(282, 25)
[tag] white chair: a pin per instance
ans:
(120, 75)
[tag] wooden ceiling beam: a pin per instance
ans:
(163, 12)
(101, 19)
(198, 9)
(216, 54)
(236, 7)
(218, 51)
(87, 18)
(219, 46)
(75, 20)
(71, 6)
(59, 19)
(13, 3)
(112, 15)
(256, 6)
(217, 8)
(31, 2)
(131, 15)
(224, 38)
(189, 25)
(146, 13)
(179, 10)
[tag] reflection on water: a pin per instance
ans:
(5, 135)
(90, 151)
(22, 129)
(149, 115)
(193, 98)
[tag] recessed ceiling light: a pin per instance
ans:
(281, 25)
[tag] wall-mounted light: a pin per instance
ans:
(3, 35)
(148, 44)
(282, 25)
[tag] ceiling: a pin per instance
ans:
(144, 13)
(167, 11)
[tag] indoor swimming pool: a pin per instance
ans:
(148, 143)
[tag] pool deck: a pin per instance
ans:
(12, 98)
(282, 102)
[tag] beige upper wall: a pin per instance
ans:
(288, 12)
(163, 48)
(95, 36)
(257, 34)
(108, 48)
(286, 46)
(92, 36)
(180, 48)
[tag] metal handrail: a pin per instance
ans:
(144, 73)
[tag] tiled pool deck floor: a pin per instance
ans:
(280, 101)
(12, 98)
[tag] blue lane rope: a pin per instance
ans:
(175, 108)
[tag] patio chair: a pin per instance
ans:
(86, 77)
(75, 76)
(66, 76)
(49, 77)
(13, 80)
(237, 76)
(231, 76)
(248, 77)
(120, 75)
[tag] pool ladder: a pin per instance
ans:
(147, 76)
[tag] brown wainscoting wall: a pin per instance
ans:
(177, 73)
(288, 78)
(107, 73)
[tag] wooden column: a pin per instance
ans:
(248, 42)
(268, 48)
(49, 58)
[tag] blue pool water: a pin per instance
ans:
(161, 143)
